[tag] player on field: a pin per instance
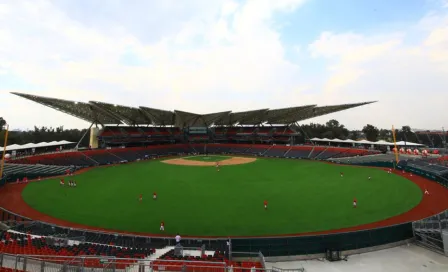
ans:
(140, 198)
(265, 204)
(426, 192)
(370, 177)
(217, 166)
(154, 196)
(62, 183)
(162, 226)
(355, 203)
(342, 174)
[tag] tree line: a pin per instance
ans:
(42, 134)
(331, 129)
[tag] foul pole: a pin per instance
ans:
(395, 144)
(4, 151)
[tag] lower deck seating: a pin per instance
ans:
(4, 269)
(15, 171)
(41, 229)
(14, 243)
(443, 159)
(67, 158)
(257, 151)
(215, 262)
(298, 153)
(118, 155)
(366, 159)
(105, 158)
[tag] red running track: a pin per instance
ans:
(434, 203)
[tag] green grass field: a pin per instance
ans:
(303, 196)
(210, 158)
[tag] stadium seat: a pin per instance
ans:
(24, 244)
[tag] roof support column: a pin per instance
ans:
(82, 138)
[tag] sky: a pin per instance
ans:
(207, 56)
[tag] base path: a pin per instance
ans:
(230, 161)
(436, 202)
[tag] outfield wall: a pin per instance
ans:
(274, 246)
(307, 245)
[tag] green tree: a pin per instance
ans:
(2, 123)
(371, 132)
(337, 129)
(406, 134)
(385, 134)
(355, 135)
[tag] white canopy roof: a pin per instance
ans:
(33, 145)
(403, 143)
(380, 142)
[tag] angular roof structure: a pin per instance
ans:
(109, 114)
(159, 117)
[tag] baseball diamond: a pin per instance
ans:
(223, 136)
(248, 181)
(303, 197)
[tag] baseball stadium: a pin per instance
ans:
(161, 190)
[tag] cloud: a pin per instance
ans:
(207, 57)
(349, 51)
(210, 56)
(409, 78)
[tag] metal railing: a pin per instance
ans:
(6, 215)
(428, 231)
(41, 263)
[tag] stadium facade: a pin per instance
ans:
(124, 125)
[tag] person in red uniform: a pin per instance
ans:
(62, 182)
(162, 226)
(154, 196)
(265, 204)
(140, 198)
(355, 202)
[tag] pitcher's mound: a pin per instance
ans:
(230, 161)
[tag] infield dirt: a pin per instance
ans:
(230, 161)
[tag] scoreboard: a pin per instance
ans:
(197, 130)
